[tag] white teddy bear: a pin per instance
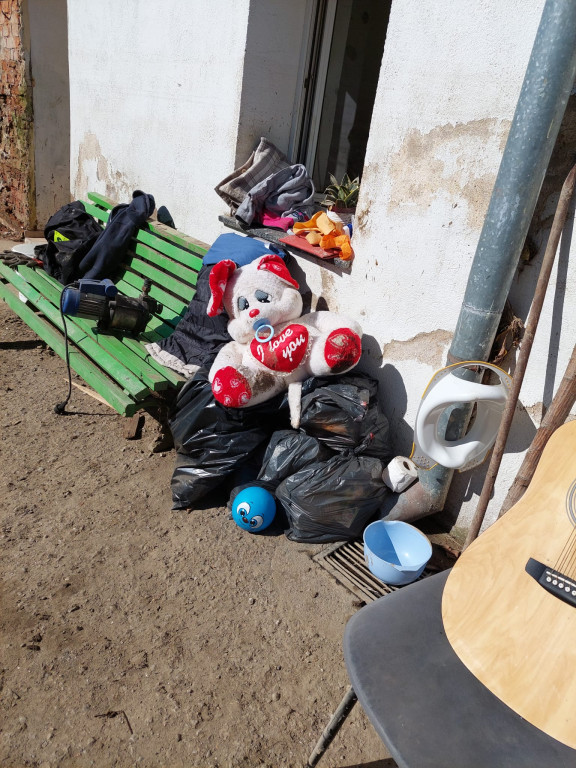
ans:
(273, 347)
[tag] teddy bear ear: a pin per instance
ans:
(218, 279)
(276, 265)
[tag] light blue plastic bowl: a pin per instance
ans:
(395, 552)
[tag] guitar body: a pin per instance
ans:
(514, 635)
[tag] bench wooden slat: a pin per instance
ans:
(156, 376)
(169, 249)
(138, 348)
(187, 276)
(151, 238)
(173, 309)
(117, 366)
(84, 367)
(127, 350)
(164, 322)
(117, 347)
(35, 285)
(174, 235)
(158, 277)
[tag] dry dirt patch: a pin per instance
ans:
(136, 635)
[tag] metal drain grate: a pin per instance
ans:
(345, 561)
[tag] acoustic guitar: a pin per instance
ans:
(509, 604)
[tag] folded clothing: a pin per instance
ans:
(266, 160)
(110, 248)
(277, 222)
(289, 189)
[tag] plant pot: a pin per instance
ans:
(346, 214)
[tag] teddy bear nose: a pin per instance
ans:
(254, 312)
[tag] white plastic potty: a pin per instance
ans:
(445, 390)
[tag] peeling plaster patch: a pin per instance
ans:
(504, 136)
(102, 168)
(443, 160)
(327, 300)
(477, 194)
(427, 348)
(536, 412)
(372, 177)
(361, 220)
(90, 156)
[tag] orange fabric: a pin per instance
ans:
(313, 238)
(326, 225)
(338, 242)
(321, 230)
(306, 226)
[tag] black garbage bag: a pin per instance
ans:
(332, 500)
(345, 413)
(288, 452)
(213, 442)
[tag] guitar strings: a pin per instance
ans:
(567, 561)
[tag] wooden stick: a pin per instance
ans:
(90, 392)
(524, 353)
(328, 734)
(555, 416)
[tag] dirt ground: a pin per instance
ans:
(132, 634)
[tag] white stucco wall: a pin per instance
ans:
(156, 97)
(170, 97)
(155, 93)
(449, 84)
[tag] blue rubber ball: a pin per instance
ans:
(253, 509)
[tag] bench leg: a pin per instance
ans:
(163, 440)
(328, 734)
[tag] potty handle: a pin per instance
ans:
(446, 390)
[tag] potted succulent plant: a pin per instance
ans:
(342, 196)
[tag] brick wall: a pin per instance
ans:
(16, 148)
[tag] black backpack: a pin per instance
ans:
(71, 232)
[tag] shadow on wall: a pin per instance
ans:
(393, 400)
(468, 485)
(522, 290)
(558, 310)
(48, 26)
(393, 397)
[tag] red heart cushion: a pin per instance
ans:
(283, 352)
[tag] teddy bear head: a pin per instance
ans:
(261, 290)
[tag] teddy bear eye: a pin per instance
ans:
(242, 303)
(262, 297)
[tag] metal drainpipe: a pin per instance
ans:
(547, 84)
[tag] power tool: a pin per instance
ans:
(100, 299)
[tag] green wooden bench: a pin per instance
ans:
(118, 368)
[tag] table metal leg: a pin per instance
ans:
(344, 709)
